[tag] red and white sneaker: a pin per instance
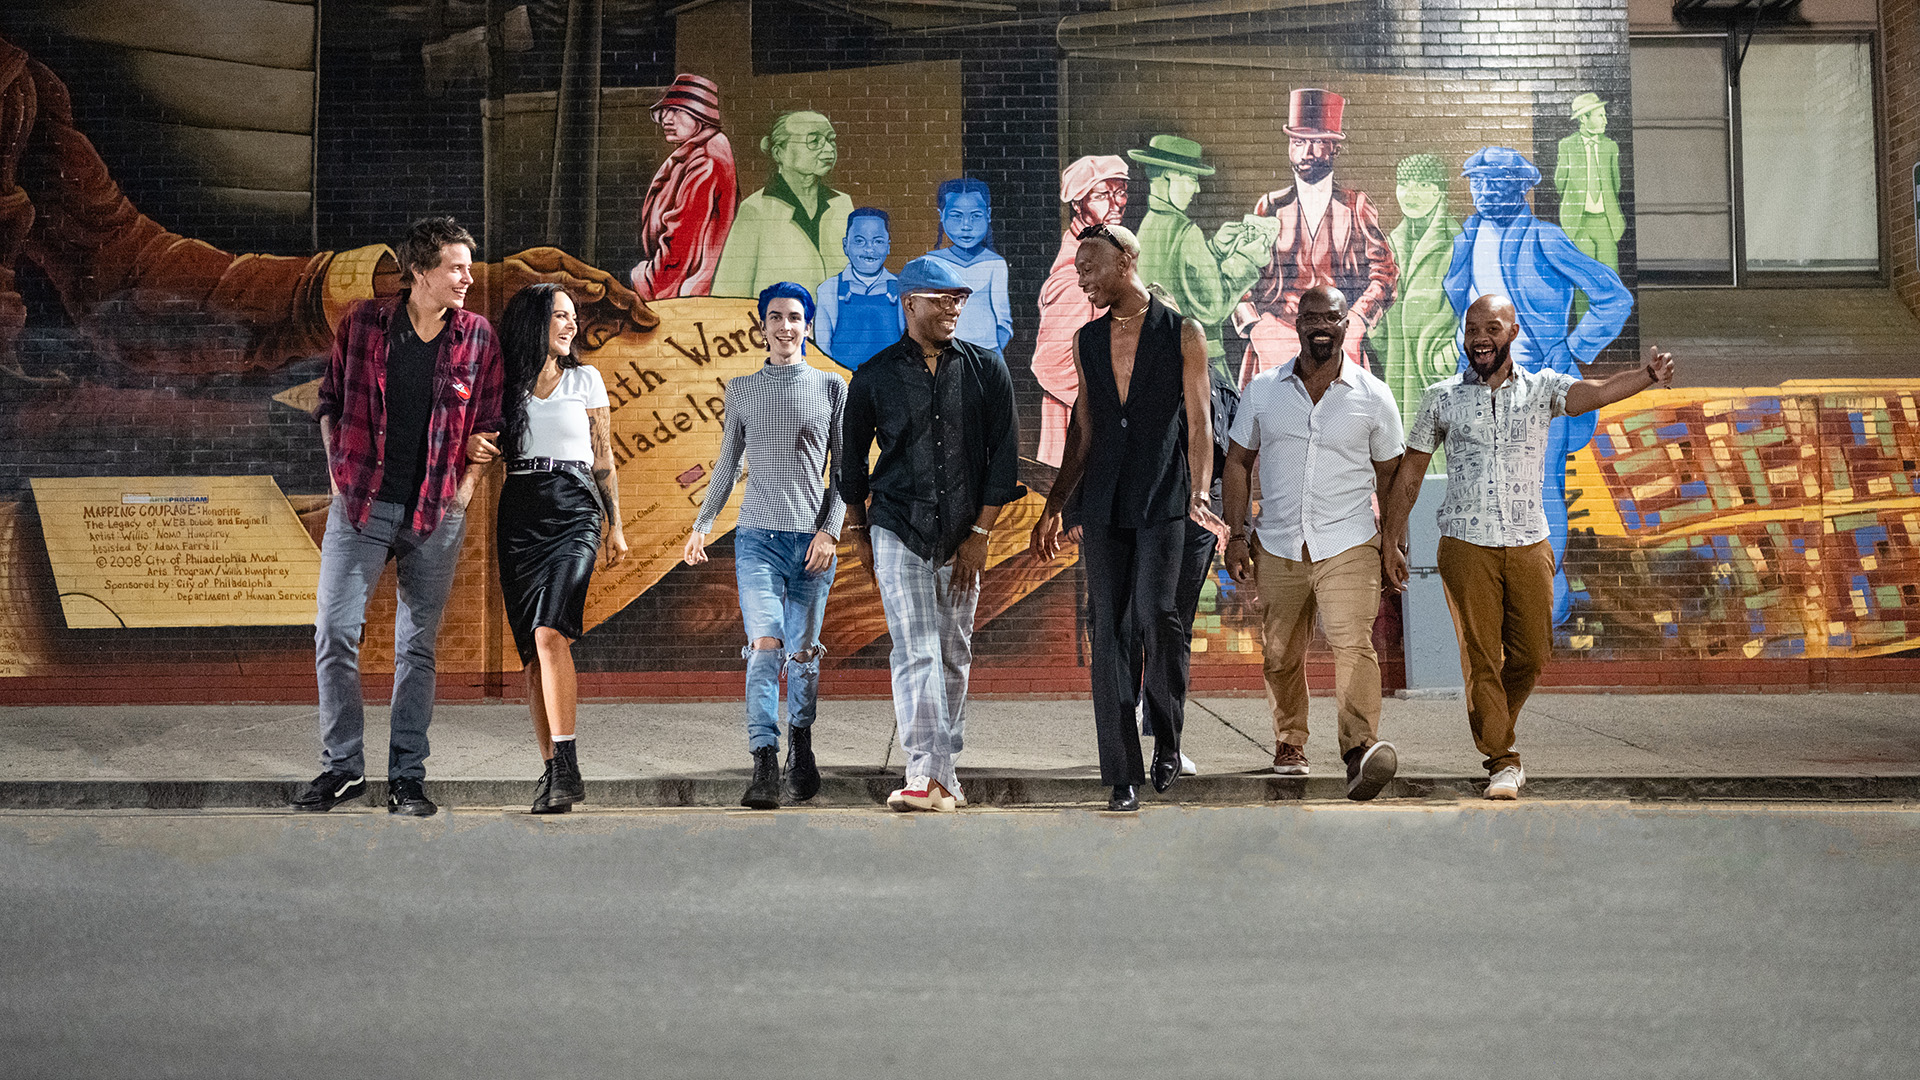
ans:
(921, 793)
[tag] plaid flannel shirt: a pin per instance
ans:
(468, 385)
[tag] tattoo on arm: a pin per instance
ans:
(603, 477)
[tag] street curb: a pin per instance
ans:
(868, 787)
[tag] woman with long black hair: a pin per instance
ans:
(559, 493)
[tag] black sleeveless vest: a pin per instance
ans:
(1137, 468)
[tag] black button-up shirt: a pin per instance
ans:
(949, 444)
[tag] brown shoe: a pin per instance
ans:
(1289, 760)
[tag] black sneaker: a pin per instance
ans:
(1369, 769)
(405, 795)
(329, 790)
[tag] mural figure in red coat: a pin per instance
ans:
(691, 202)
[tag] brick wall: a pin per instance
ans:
(1900, 86)
(172, 358)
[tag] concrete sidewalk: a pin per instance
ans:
(1019, 752)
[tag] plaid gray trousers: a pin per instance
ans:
(932, 652)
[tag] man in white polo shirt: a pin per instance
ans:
(1326, 434)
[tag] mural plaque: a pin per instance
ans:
(131, 551)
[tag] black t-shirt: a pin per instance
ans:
(410, 364)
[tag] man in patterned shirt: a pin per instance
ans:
(1495, 559)
(410, 378)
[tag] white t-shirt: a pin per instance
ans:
(557, 424)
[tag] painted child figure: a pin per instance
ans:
(859, 308)
(966, 218)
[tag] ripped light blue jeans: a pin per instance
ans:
(780, 599)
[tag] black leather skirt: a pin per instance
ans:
(548, 534)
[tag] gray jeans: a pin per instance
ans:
(351, 561)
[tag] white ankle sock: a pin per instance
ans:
(563, 738)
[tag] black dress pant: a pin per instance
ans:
(1195, 563)
(1140, 642)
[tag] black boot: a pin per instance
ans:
(543, 793)
(803, 776)
(568, 787)
(764, 792)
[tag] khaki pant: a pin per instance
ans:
(1502, 604)
(1345, 589)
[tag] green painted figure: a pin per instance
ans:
(1203, 278)
(1414, 339)
(1588, 177)
(792, 229)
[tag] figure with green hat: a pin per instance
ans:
(1587, 175)
(1204, 278)
(1414, 337)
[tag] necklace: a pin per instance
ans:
(1125, 319)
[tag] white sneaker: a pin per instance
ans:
(921, 793)
(1187, 767)
(959, 795)
(1506, 783)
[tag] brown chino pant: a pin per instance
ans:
(1345, 589)
(1502, 604)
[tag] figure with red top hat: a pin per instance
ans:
(1329, 235)
(690, 203)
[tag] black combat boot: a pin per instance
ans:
(764, 792)
(803, 776)
(568, 787)
(543, 793)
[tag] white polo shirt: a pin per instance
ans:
(1316, 461)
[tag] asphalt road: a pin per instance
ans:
(1542, 940)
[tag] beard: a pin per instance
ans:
(1500, 355)
(1321, 348)
(1313, 170)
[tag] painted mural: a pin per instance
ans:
(1781, 522)
(690, 204)
(1094, 189)
(859, 311)
(1328, 232)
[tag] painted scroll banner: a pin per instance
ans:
(133, 551)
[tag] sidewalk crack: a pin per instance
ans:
(1228, 724)
(1603, 734)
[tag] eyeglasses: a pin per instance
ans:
(812, 140)
(945, 301)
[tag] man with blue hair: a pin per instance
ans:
(1503, 250)
(785, 421)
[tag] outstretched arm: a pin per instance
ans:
(1590, 394)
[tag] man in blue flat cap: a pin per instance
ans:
(942, 411)
(1503, 250)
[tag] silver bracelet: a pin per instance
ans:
(979, 530)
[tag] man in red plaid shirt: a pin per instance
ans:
(409, 379)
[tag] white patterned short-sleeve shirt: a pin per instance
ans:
(1496, 444)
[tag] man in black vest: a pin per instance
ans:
(1141, 443)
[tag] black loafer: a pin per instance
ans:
(406, 796)
(1124, 801)
(1166, 765)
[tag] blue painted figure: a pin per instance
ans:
(966, 218)
(1504, 249)
(860, 306)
